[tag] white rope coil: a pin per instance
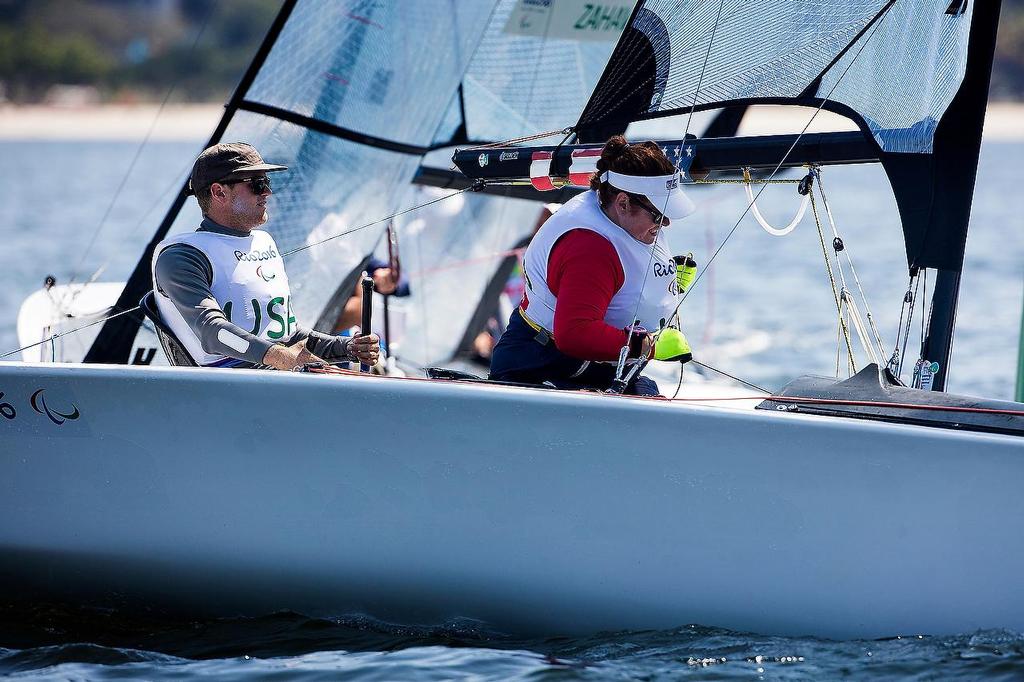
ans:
(774, 231)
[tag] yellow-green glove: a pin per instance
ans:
(686, 271)
(671, 345)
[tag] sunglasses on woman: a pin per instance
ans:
(657, 216)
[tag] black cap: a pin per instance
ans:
(228, 161)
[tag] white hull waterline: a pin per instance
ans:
(231, 492)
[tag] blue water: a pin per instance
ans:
(762, 312)
(55, 643)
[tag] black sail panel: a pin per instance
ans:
(635, 78)
(853, 57)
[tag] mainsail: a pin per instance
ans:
(351, 96)
(330, 95)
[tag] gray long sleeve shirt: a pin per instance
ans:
(184, 275)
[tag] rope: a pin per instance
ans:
(910, 302)
(567, 131)
(679, 386)
(752, 181)
(773, 231)
(734, 378)
(700, 79)
(832, 280)
(528, 138)
(849, 260)
(58, 335)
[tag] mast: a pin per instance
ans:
(113, 344)
(955, 161)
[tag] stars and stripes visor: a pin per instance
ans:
(663, 191)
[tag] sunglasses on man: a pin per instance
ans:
(258, 185)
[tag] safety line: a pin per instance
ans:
(54, 337)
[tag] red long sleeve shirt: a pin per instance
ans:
(584, 273)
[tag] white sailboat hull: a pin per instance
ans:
(232, 492)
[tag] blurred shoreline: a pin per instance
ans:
(188, 122)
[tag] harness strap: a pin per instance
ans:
(544, 337)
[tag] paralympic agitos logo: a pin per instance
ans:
(58, 418)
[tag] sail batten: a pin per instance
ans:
(326, 128)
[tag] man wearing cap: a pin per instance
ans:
(594, 269)
(223, 289)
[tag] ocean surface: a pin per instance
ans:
(761, 312)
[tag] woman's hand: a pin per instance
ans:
(640, 343)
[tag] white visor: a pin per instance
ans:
(663, 191)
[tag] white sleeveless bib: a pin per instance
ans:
(249, 284)
(656, 292)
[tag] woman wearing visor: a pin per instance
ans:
(597, 267)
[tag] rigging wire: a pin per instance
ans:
(910, 303)
(853, 271)
(770, 180)
(569, 130)
(678, 163)
(703, 68)
(836, 295)
(785, 156)
(924, 299)
(329, 369)
(532, 90)
(305, 247)
(160, 200)
(423, 299)
(730, 376)
(128, 172)
(917, 381)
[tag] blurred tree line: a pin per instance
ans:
(1008, 69)
(130, 50)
